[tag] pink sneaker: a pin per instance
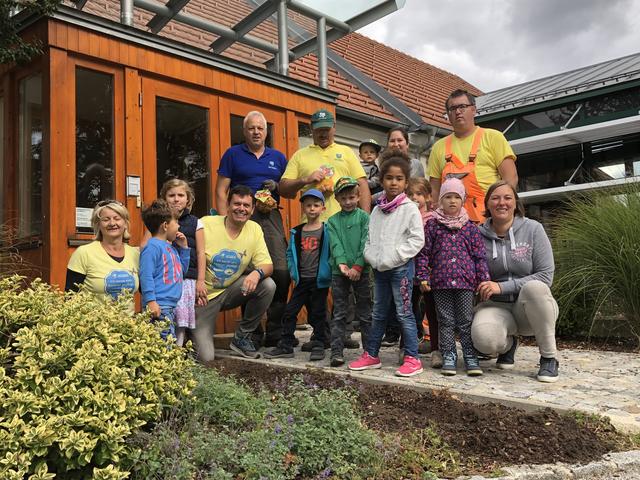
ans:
(365, 362)
(411, 366)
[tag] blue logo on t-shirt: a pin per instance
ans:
(224, 265)
(117, 281)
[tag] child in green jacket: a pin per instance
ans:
(348, 230)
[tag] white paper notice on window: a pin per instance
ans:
(133, 186)
(83, 217)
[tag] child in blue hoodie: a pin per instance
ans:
(308, 261)
(161, 264)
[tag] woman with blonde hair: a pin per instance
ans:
(108, 266)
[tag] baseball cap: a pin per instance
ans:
(344, 182)
(322, 119)
(312, 192)
(371, 142)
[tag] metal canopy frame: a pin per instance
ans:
(172, 10)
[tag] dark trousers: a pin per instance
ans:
(305, 293)
(341, 288)
(455, 312)
(425, 304)
(277, 307)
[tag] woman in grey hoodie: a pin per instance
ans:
(517, 300)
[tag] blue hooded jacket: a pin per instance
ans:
(293, 253)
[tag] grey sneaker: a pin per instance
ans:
(311, 344)
(436, 359)
(278, 352)
(244, 347)
(472, 366)
(507, 360)
(351, 343)
(548, 372)
(317, 354)
(337, 360)
(449, 363)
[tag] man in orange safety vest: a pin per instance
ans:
(477, 156)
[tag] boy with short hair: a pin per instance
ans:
(308, 261)
(348, 230)
(369, 151)
(161, 265)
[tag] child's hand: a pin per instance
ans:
(154, 308)
(201, 293)
(344, 270)
(487, 289)
(355, 275)
(181, 240)
(425, 287)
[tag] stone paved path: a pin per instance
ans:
(606, 383)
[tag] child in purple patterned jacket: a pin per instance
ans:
(452, 264)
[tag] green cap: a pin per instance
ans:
(344, 182)
(322, 119)
(371, 142)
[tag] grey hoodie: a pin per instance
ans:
(523, 255)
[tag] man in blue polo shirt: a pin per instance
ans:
(258, 167)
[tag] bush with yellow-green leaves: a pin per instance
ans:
(78, 377)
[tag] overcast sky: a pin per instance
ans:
(498, 43)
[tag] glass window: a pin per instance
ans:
(610, 106)
(304, 135)
(94, 138)
(237, 136)
(29, 175)
(182, 148)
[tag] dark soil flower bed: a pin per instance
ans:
(486, 436)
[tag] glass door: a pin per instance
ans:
(179, 139)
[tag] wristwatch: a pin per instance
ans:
(260, 272)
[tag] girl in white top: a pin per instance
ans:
(396, 236)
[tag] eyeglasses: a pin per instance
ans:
(462, 107)
(104, 203)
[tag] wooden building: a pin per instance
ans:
(110, 111)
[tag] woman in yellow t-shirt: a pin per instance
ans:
(107, 266)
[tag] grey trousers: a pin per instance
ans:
(255, 303)
(341, 288)
(534, 313)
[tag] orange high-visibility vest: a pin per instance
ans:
(453, 167)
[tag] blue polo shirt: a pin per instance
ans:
(240, 165)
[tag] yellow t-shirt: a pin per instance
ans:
(105, 276)
(228, 258)
(494, 148)
(309, 159)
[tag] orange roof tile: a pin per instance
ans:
(421, 86)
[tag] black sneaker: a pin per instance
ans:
(244, 347)
(337, 360)
(390, 340)
(507, 360)
(311, 344)
(351, 344)
(278, 352)
(548, 372)
(317, 354)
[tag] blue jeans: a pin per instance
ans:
(393, 286)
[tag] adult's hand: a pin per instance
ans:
(487, 289)
(270, 185)
(314, 177)
(250, 283)
(201, 293)
(154, 308)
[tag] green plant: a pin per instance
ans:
(78, 377)
(227, 431)
(13, 48)
(597, 251)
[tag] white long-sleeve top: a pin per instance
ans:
(394, 238)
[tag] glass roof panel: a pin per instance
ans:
(341, 10)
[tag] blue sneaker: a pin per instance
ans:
(548, 372)
(243, 346)
(449, 364)
(472, 366)
(507, 360)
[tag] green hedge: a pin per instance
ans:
(78, 376)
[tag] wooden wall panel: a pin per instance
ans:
(58, 204)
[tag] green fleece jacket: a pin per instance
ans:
(347, 234)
